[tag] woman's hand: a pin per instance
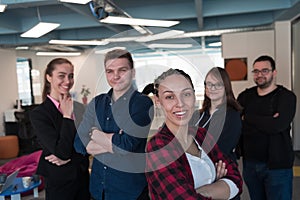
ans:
(66, 105)
(221, 170)
(216, 190)
(57, 161)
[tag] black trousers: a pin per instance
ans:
(68, 190)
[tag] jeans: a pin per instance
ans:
(267, 184)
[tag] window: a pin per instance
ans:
(25, 81)
(196, 63)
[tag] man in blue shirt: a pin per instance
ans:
(114, 130)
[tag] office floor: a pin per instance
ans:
(244, 196)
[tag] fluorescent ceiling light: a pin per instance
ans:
(206, 33)
(139, 29)
(170, 46)
(40, 29)
(76, 1)
(79, 42)
(122, 39)
(215, 44)
(2, 7)
(58, 53)
(139, 22)
(160, 36)
(22, 48)
(104, 51)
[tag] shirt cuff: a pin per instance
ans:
(234, 190)
(116, 140)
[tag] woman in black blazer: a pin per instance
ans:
(65, 171)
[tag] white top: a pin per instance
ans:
(204, 171)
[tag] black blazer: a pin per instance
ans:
(56, 136)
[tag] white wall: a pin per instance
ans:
(9, 85)
(283, 56)
(296, 81)
(250, 45)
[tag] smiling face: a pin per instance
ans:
(177, 99)
(263, 80)
(119, 75)
(214, 89)
(61, 80)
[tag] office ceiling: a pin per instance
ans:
(79, 22)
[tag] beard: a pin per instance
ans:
(265, 83)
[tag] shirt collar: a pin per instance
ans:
(56, 103)
(126, 95)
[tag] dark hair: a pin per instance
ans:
(266, 58)
(221, 74)
(119, 53)
(148, 89)
(49, 69)
(167, 73)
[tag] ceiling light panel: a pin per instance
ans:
(58, 53)
(215, 44)
(138, 22)
(160, 36)
(40, 29)
(170, 46)
(22, 48)
(76, 1)
(2, 7)
(79, 42)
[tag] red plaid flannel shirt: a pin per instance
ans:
(168, 172)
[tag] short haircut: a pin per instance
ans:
(266, 58)
(119, 53)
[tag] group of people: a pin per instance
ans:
(192, 155)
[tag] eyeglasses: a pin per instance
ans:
(217, 86)
(264, 71)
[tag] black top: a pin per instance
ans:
(267, 138)
(225, 126)
(56, 136)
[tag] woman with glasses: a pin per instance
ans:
(220, 111)
(181, 158)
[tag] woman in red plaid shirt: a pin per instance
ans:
(180, 159)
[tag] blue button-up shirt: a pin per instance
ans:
(120, 175)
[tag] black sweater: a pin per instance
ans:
(267, 138)
(225, 126)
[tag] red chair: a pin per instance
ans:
(27, 166)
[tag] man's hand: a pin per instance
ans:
(93, 148)
(102, 139)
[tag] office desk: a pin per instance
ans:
(17, 189)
